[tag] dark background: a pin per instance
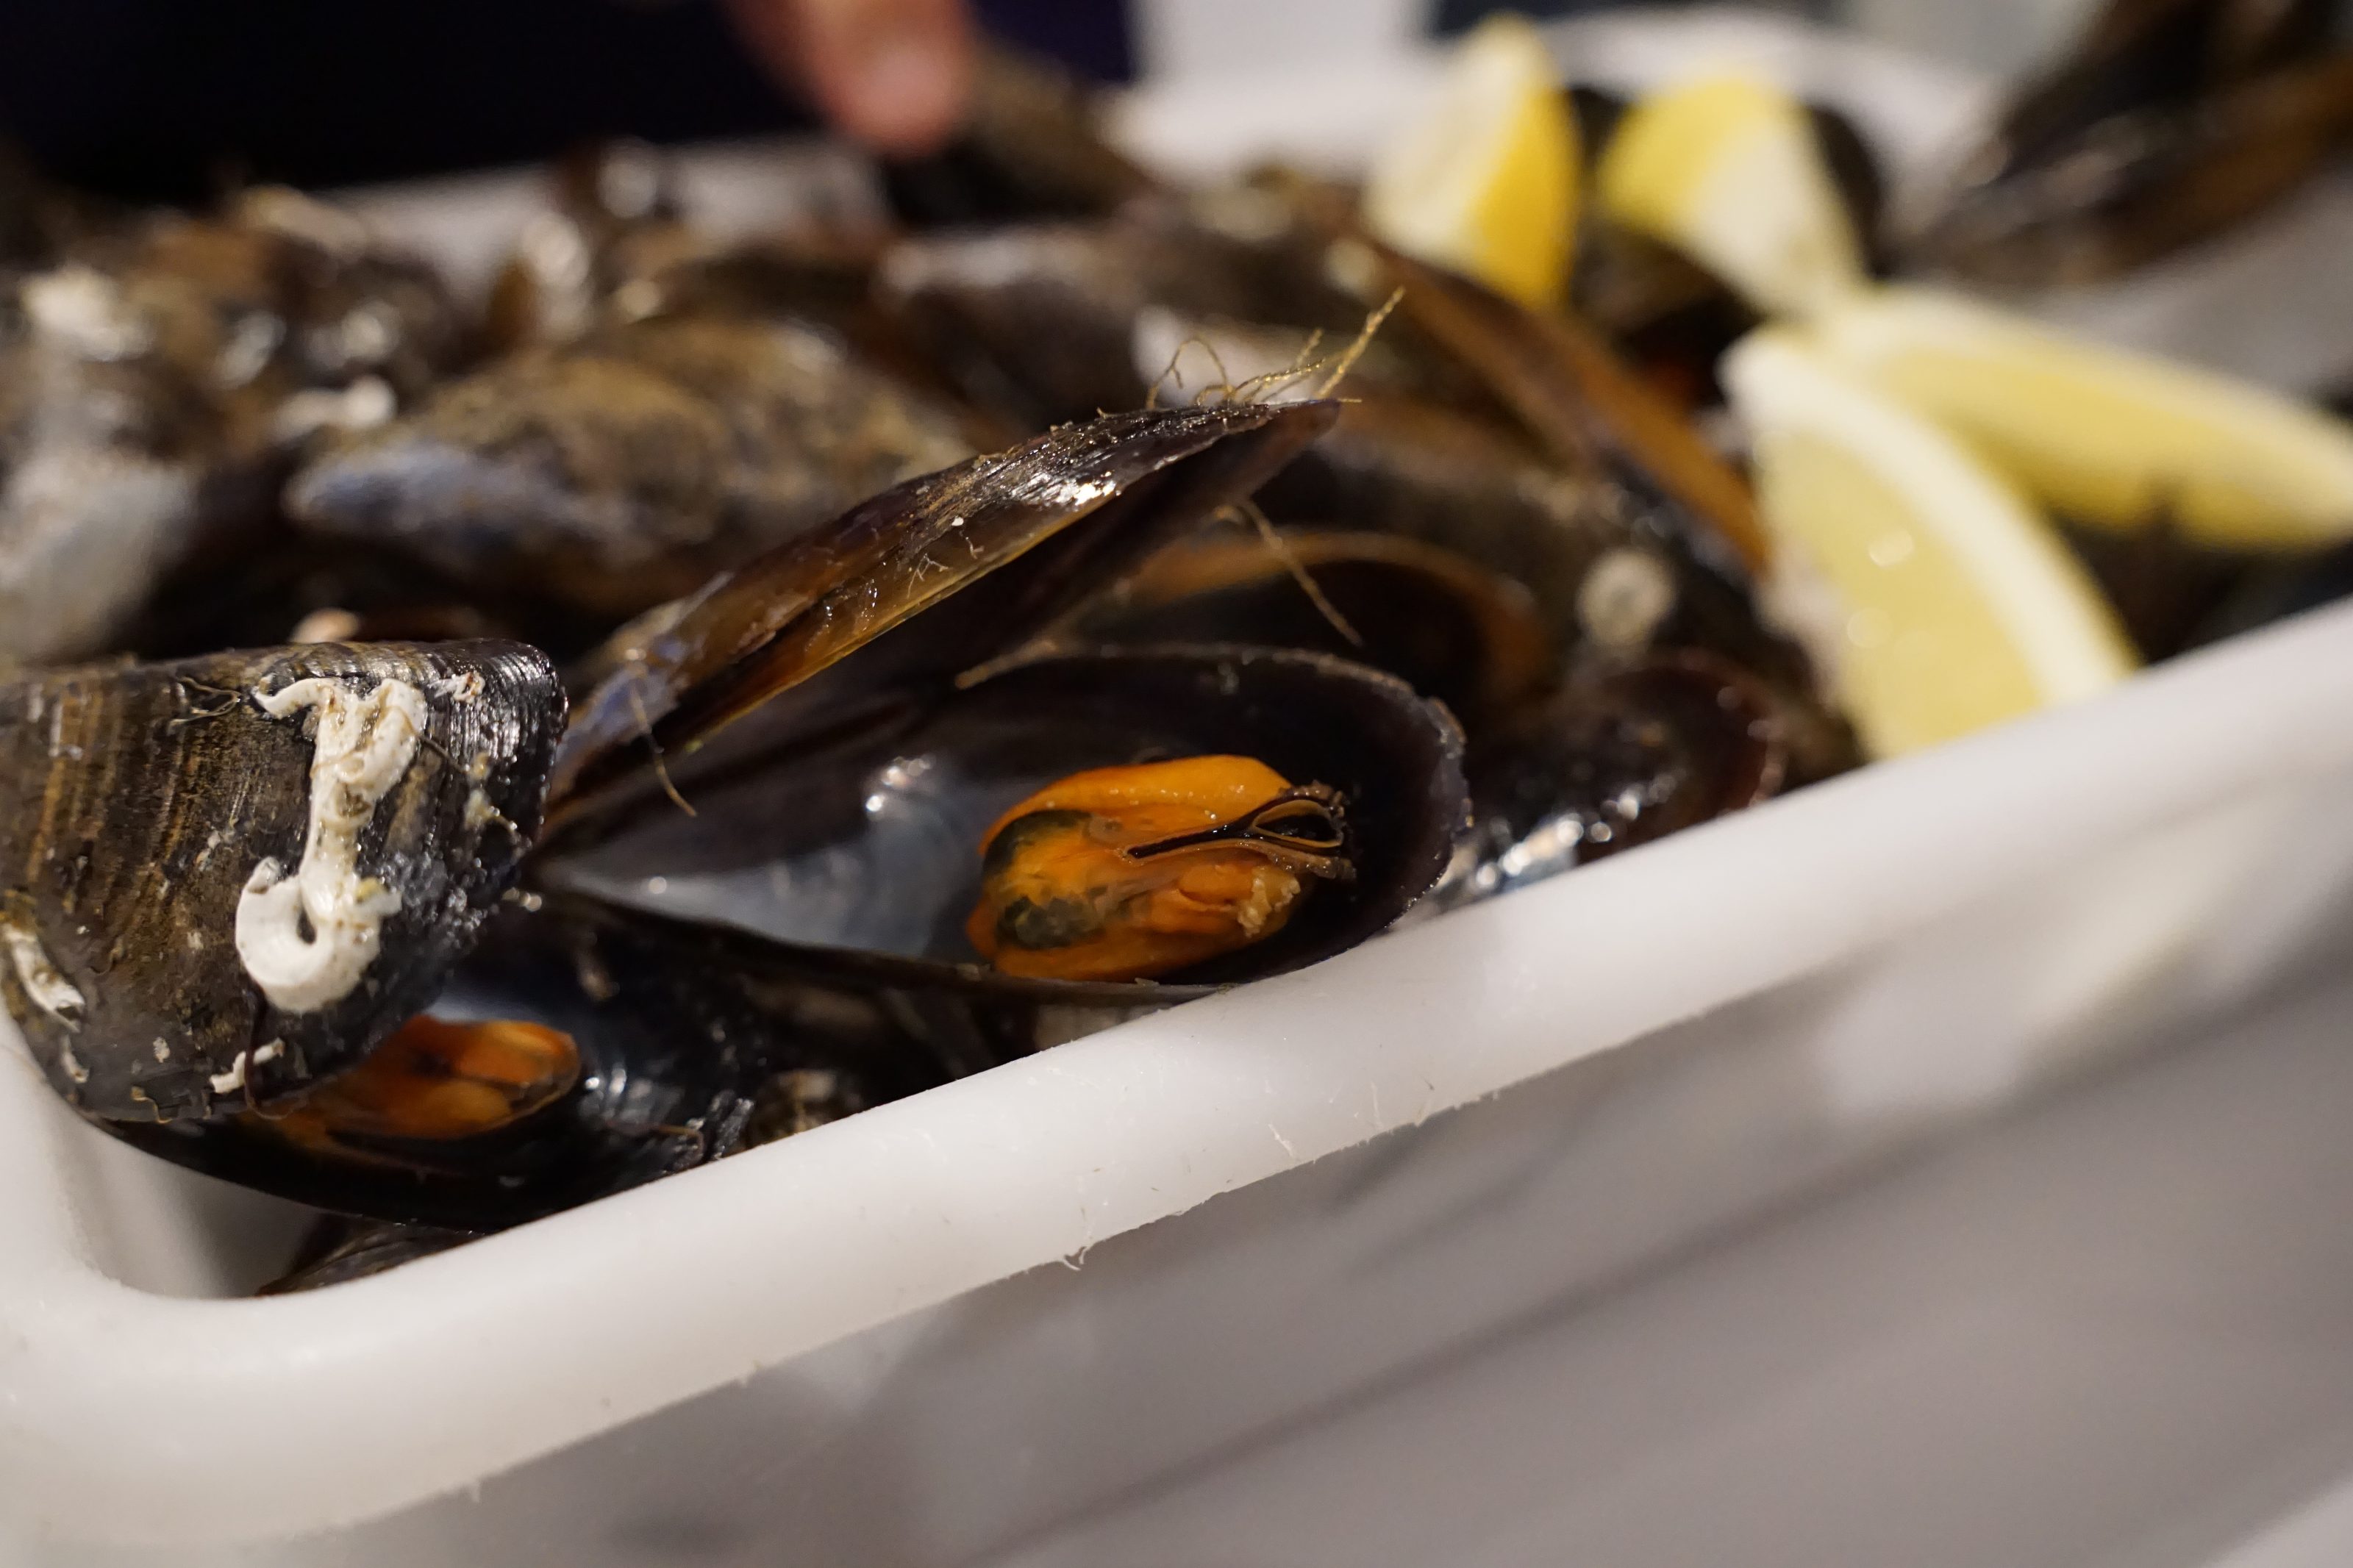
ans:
(181, 99)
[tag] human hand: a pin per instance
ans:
(894, 74)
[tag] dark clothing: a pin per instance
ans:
(179, 99)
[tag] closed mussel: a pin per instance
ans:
(226, 878)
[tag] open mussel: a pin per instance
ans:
(225, 879)
(892, 846)
(889, 737)
(939, 575)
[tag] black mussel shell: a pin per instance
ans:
(1619, 760)
(2145, 56)
(339, 1250)
(692, 1045)
(1439, 621)
(1032, 145)
(2086, 198)
(2273, 589)
(158, 837)
(990, 553)
(1168, 299)
(1400, 465)
(628, 468)
(2166, 586)
(1589, 408)
(867, 848)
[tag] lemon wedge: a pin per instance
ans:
(1726, 168)
(2103, 435)
(1941, 601)
(1486, 181)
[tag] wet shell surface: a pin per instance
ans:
(626, 469)
(225, 878)
(867, 849)
(939, 575)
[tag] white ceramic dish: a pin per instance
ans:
(821, 1346)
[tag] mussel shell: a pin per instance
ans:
(2139, 184)
(2145, 54)
(680, 1036)
(1619, 760)
(1439, 621)
(166, 377)
(1425, 472)
(630, 469)
(990, 553)
(1574, 393)
(1032, 145)
(1049, 321)
(2274, 588)
(135, 804)
(867, 849)
(340, 1251)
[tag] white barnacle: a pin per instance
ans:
(463, 688)
(45, 986)
(363, 747)
(231, 1081)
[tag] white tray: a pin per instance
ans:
(824, 1338)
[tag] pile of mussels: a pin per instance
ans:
(686, 702)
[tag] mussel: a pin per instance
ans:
(871, 845)
(575, 1053)
(2171, 121)
(882, 762)
(1615, 759)
(225, 879)
(161, 376)
(625, 469)
(1448, 627)
(1032, 145)
(847, 716)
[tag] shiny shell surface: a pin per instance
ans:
(225, 878)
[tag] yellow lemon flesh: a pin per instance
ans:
(1727, 170)
(1943, 603)
(2103, 435)
(1486, 181)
